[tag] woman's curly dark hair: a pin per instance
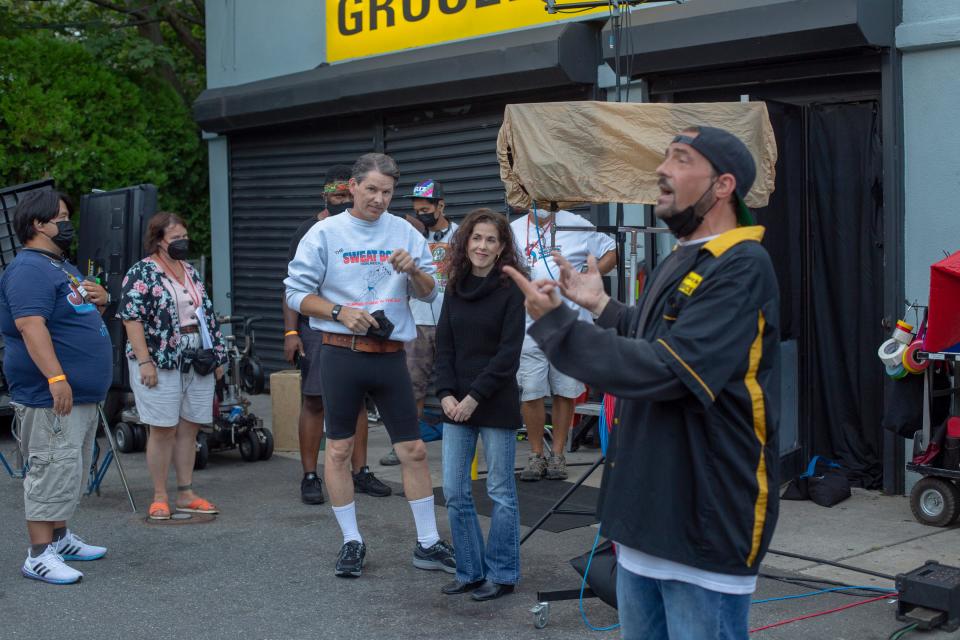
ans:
(457, 264)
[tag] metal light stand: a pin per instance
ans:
(20, 471)
(628, 293)
(97, 473)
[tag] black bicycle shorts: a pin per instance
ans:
(347, 376)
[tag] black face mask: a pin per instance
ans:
(427, 220)
(337, 209)
(64, 237)
(179, 249)
(685, 222)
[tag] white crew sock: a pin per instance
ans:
(347, 519)
(426, 521)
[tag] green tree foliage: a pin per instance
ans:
(97, 96)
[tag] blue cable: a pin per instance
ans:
(604, 434)
(543, 255)
(822, 591)
(583, 587)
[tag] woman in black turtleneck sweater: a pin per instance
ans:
(479, 337)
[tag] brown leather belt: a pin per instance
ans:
(362, 343)
(192, 328)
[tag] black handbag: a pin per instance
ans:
(903, 406)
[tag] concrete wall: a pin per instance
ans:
(929, 38)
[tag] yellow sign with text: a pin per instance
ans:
(360, 28)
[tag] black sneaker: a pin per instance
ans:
(365, 482)
(439, 557)
(350, 560)
(311, 489)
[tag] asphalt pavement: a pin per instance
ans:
(263, 569)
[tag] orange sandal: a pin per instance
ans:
(159, 511)
(199, 505)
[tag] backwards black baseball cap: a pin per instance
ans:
(727, 153)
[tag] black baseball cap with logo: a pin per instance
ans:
(727, 153)
(428, 190)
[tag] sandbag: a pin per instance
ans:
(603, 572)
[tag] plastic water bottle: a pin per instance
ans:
(235, 414)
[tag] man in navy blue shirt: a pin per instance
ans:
(58, 363)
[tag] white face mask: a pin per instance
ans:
(543, 214)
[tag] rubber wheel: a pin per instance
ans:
(203, 451)
(266, 445)
(126, 440)
(251, 376)
(935, 501)
(250, 446)
(140, 433)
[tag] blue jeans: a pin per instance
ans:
(499, 560)
(659, 609)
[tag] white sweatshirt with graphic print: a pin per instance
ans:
(343, 259)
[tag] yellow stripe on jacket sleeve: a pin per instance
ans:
(760, 430)
(688, 368)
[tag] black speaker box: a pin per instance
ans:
(112, 224)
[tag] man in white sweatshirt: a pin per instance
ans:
(347, 273)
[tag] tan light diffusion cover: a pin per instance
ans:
(578, 152)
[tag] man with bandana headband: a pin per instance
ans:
(58, 361)
(690, 483)
(301, 345)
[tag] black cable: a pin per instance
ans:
(798, 556)
(816, 584)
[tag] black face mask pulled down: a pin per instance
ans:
(179, 249)
(64, 237)
(337, 209)
(685, 222)
(428, 220)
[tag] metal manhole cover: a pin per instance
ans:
(184, 518)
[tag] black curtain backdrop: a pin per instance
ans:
(783, 216)
(846, 253)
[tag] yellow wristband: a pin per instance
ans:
(291, 333)
(56, 379)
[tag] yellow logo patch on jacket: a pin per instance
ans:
(690, 283)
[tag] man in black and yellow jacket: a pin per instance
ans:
(690, 483)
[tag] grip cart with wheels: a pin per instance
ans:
(233, 426)
(935, 499)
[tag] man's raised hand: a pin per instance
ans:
(586, 289)
(543, 296)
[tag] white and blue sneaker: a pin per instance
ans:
(49, 567)
(72, 548)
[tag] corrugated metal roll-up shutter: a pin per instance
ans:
(456, 145)
(276, 182)
(459, 150)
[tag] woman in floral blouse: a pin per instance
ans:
(167, 315)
